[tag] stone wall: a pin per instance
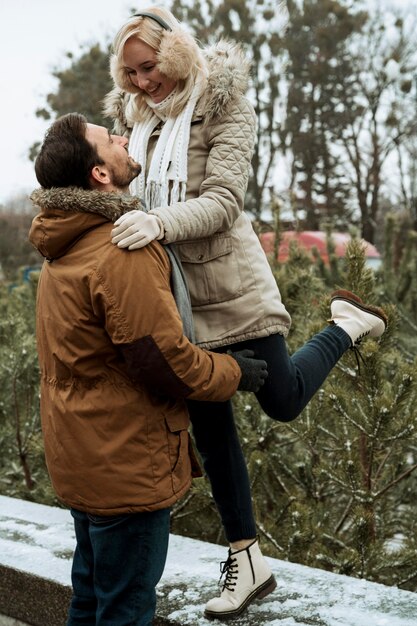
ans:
(36, 546)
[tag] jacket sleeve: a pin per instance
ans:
(131, 293)
(231, 141)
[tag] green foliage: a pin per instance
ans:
(15, 249)
(81, 88)
(22, 468)
(83, 85)
(399, 285)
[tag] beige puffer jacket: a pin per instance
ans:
(116, 369)
(233, 292)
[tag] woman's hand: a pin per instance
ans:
(136, 229)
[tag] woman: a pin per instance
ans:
(193, 131)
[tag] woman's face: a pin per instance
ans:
(140, 63)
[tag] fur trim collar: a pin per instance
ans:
(77, 200)
(228, 79)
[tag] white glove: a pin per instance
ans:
(136, 229)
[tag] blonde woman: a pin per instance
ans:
(193, 131)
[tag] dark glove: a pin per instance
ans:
(254, 371)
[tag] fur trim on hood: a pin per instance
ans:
(76, 200)
(228, 79)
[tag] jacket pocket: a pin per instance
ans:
(211, 267)
(178, 447)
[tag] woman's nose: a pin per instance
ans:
(141, 81)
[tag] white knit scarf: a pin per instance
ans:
(166, 182)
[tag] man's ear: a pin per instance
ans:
(100, 174)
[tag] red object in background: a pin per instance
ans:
(309, 239)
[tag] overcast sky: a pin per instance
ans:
(34, 37)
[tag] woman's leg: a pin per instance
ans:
(291, 383)
(218, 443)
(293, 380)
(247, 574)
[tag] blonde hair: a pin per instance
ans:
(178, 57)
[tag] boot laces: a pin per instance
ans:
(361, 336)
(358, 354)
(229, 568)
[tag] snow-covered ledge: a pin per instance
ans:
(36, 544)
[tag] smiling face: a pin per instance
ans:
(119, 167)
(140, 62)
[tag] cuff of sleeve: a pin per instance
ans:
(161, 227)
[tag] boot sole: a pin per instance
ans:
(348, 296)
(263, 590)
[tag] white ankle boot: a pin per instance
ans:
(248, 577)
(357, 319)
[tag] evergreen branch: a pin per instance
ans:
(327, 432)
(396, 481)
(281, 484)
(404, 581)
(382, 464)
(270, 538)
(179, 506)
(290, 474)
(333, 541)
(337, 480)
(342, 520)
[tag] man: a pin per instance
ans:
(116, 370)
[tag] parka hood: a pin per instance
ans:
(227, 80)
(66, 214)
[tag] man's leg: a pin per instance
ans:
(129, 557)
(83, 603)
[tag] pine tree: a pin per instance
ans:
(319, 74)
(22, 467)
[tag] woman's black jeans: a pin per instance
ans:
(292, 381)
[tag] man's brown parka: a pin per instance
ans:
(116, 368)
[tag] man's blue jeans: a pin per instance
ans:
(117, 564)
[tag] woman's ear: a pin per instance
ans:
(178, 52)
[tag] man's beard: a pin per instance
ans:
(122, 178)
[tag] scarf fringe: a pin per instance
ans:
(164, 194)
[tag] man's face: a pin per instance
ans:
(113, 150)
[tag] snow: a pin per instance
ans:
(39, 539)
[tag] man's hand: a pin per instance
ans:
(254, 371)
(136, 229)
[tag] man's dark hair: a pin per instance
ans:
(66, 158)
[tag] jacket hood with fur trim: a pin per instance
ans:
(228, 79)
(66, 214)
